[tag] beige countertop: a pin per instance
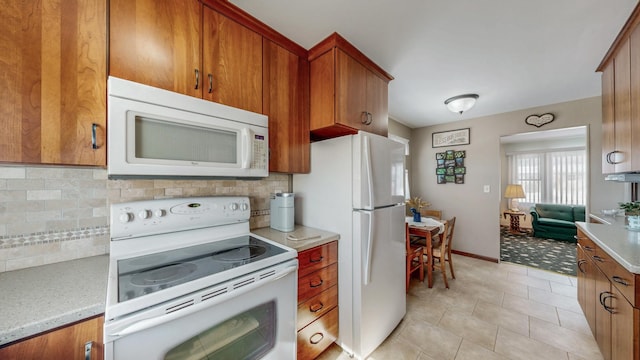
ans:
(616, 240)
(300, 239)
(42, 298)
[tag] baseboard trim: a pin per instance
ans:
(475, 256)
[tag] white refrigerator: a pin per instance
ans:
(356, 189)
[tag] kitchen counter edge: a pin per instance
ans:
(43, 298)
(308, 237)
(616, 240)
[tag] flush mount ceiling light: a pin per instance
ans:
(461, 103)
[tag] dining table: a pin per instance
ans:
(427, 228)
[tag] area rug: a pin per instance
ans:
(545, 254)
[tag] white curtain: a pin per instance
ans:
(552, 177)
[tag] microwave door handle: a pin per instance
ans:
(245, 138)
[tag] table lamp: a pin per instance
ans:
(513, 192)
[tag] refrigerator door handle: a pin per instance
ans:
(369, 247)
(368, 165)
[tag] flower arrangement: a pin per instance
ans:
(417, 203)
(631, 208)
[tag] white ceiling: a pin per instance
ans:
(515, 54)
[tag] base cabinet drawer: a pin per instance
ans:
(317, 306)
(316, 282)
(317, 336)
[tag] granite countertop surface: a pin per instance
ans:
(300, 239)
(615, 239)
(45, 297)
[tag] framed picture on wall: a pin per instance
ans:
(451, 138)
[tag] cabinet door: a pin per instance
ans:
(158, 43)
(53, 82)
(586, 288)
(377, 105)
(67, 343)
(608, 118)
(602, 316)
(635, 98)
(286, 102)
(622, 107)
(232, 62)
(622, 320)
(351, 91)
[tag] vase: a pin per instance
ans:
(633, 222)
(416, 215)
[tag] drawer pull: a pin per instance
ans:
(598, 258)
(620, 280)
(316, 284)
(316, 338)
(580, 263)
(316, 307)
(587, 248)
(316, 260)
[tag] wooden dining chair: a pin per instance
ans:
(414, 257)
(436, 214)
(442, 250)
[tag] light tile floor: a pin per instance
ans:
(491, 311)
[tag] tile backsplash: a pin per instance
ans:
(52, 214)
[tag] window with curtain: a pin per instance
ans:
(551, 177)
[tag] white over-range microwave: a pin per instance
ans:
(158, 133)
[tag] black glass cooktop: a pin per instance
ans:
(146, 274)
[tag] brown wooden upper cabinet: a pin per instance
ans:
(53, 82)
(286, 102)
(348, 91)
(621, 100)
(186, 47)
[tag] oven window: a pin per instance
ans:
(248, 335)
(157, 139)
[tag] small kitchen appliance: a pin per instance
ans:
(282, 211)
(188, 280)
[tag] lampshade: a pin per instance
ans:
(514, 191)
(461, 103)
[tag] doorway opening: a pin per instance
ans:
(547, 167)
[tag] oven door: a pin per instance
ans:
(246, 318)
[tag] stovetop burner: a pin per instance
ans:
(163, 275)
(241, 253)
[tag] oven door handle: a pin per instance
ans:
(155, 321)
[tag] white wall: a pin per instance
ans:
(478, 213)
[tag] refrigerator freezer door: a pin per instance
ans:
(379, 301)
(378, 171)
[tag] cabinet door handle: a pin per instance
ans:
(369, 118)
(210, 76)
(197, 78)
(315, 307)
(316, 338)
(88, 349)
(316, 260)
(612, 161)
(94, 138)
(580, 263)
(364, 118)
(620, 280)
(316, 284)
(603, 298)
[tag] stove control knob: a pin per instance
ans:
(233, 206)
(144, 214)
(125, 217)
(245, 206)
(160, 213)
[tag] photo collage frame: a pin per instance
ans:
(450, 167)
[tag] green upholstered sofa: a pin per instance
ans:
(553, 221)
